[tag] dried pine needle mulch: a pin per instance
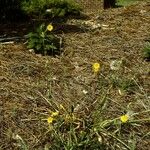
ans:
(28, 81)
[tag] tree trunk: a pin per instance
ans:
(109, 4)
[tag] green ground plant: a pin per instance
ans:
(124, 84)
(51, 8)
(44, 41)
(71, 130)
(126, 2)
(146, 51)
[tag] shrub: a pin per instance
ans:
(51, 8)
(43, 41)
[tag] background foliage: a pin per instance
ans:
(14, 9)
(56, 8)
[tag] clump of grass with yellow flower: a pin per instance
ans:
(44, 41)
(93, 128)
(71, 130)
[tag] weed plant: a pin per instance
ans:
(146, 51)
(70, 129)
(44, 41)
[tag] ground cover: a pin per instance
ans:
(84, 108)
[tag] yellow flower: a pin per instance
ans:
(124, 118)
(96, 67)
(54, 114)
(49, 27)
(50, 120)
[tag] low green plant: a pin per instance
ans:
(126, 2)
(44, 41)
(124, 84)
(70, 132)
(51, 8)
(147, 51)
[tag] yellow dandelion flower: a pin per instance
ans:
(49, 27)
(124, 118)
(50, 120)
(96, 67)
(54, 114)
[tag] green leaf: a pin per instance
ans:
(31, 44)
(62, 13)
(50, 47)
(38, 47)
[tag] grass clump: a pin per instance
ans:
(90, 126)
(126, 2)
(69, 130)
(146, 51)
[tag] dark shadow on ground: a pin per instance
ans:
(22, 27)
(68, 28)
